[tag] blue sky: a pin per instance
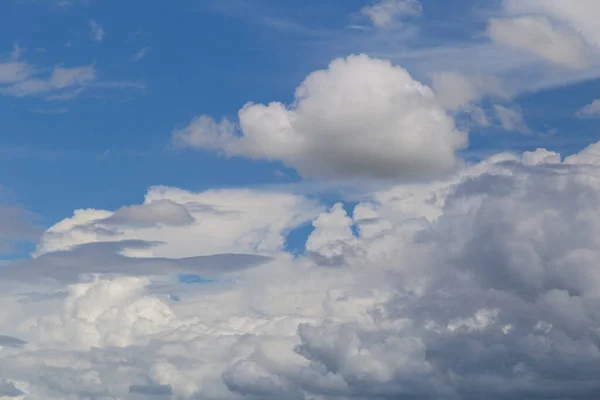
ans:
(156, 67)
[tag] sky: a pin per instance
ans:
(300, 199)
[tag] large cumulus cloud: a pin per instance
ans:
(484, 285)
(360, 117)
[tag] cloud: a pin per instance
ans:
(591, 110)
(387, 13)
(96, 31)
(539, 36)
(579, 19)
(159, 212)
(511, 119)
(62, 81)
(360, 117)
(140, 54)
(189, 224)
(16, 225)
(455, 91)
(107, 259)
(481, 285)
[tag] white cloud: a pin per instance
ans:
(62, 80)
(387, 13)
(539, 36)
(188, 224)
(360, 117)
(455, 91)
(484, 285)
(511, 119)
(96, 31)
(590, 110)
(579, 15)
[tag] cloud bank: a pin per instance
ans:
(482, 285)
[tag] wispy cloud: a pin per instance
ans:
(61, 79)
(387, 13)
(62, 110)
(140, 54)
(97, 32)
(591, 110)
(511, 119)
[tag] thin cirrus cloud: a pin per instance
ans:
(96, 31)
(388, 13)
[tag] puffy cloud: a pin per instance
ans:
(386, 13)
(184, 224)
(360, 117)
(482, 285)
(539, 36)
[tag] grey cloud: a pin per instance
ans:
(104, 258)
(9, 341)
(8, 389)
(152, 390)
(159, 212)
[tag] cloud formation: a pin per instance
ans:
(360, 117)
(591, 110)
(482, 285)
(387, 13)
(96, 31)
(539, 36)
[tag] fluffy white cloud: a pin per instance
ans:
(387, 13)
(539, 36)
(360, 117)
(183, 224)
(482, 285)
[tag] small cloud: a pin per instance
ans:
(591, 110)
(359, 27)
(68, 44)
(66, 95)
(61, 79)
(140, 54)
(103, 156)
(15, 55)
(511, 119)
(387, 13)
(62, 110)
(97, 32)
